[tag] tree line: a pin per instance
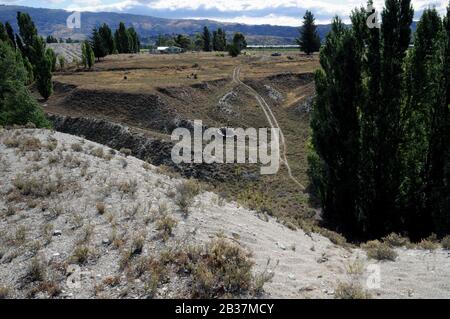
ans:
(380, 151)
(206, 41)
(24, 59)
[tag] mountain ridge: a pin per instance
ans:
(53, 22)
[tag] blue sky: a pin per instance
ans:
(277, 12)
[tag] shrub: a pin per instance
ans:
(30, 144)
(4, 292)
(36, 270)
(35, 187)
(80, 255)
(137, 245)
(446, 242)
(395, 240)
(351, 291)
(77, 147)
(186, 193)
(98, 152)
(165, 226)
(126, 151)
(428, 244)
(379, 251)
(222, 269)
(100, 208)
(334, 237)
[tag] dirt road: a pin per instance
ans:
(272, 122)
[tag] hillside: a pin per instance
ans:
(79, 220)
(50, 21)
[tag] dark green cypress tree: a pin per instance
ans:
(370, 113)
(309, 40)
(107, 38)
(11, 36)
(17, 106)
(122, 39)
(3, 34)
(336, 128)
(98, 44)
(438, 186)
(43, 68)
(207, 46)
(51, 55)
(423, 90)
(215, 41)
(134, 41)
(384, 216)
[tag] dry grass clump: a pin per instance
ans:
(11, 142)
(428, 244)
(126, 151)
(334, 237)
(51, 288)
(36, 270)
(379, 251)
(111, 281)
(80, 255)
(28, 144)
(165, 225)
(221, 269)
(4, 292)
(101, 209)
(37, 187)
(77, 147)
(396, 240)
(351, 290)
(98, 152)
(446, 242)
(186, 193)
(129, 187)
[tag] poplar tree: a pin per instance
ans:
(309, 40)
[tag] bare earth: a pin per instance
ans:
(49, 224)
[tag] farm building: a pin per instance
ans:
(168, 50)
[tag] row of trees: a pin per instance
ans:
(38, 60)
(380, 159)
(23, 60)
(218, 42)
(206, 41)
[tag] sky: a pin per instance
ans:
(275, 12)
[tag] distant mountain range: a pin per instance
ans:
(53, 22)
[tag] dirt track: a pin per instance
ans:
(272, 121)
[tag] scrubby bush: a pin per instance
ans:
(351, 291)
(395, 240)
(446, 242)
(379, 251)
(185, 195)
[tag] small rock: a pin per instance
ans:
(283, 247)
(306, 288)
(57, 232)
(291, 276)
(105, 241)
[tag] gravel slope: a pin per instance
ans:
(304, 265)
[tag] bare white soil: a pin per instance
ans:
(51, 225)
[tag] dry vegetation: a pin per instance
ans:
(159, 89)
(104, 224)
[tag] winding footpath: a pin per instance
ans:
(272, 122)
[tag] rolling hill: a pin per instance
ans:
(53, 22)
